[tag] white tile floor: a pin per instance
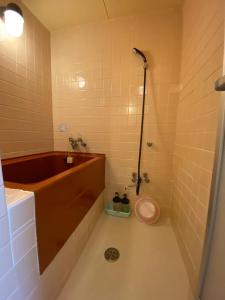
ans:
(150, 266)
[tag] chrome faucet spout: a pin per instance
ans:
(75, 143)
(81, 141)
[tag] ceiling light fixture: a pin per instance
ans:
(12, 16)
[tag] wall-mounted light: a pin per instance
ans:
(12, 16)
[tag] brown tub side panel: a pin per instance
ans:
(61, 206)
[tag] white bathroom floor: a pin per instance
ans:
(149, 268)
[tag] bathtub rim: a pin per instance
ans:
(37, 186)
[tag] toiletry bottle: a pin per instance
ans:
(125, 203)
(117, 202)
(69, 159)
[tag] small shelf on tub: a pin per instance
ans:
(110, 211)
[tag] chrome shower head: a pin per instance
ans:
(138, 52)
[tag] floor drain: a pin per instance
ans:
(111, 254)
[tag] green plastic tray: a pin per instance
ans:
(109, 210)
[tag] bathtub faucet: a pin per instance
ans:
(73, 143)
(81, 142)
(76, 142)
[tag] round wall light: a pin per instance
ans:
(13, 18)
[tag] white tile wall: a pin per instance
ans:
(4, 226)
(14, 295)
(27, 285)
(27, 264)
(19, 270)
(21, 215)
(8, 284)
(6, 261)
(2, 200)
(7, 275)
(23, 242)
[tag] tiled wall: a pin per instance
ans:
(25, 90)
(18, 248)
(6, 262)
(201, 65)
(97, 92)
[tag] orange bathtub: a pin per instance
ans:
(63, 193)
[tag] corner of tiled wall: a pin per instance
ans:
(25, 90)
(97, 92)
(196, 129)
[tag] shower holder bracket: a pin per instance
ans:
(149, 144)
(146, 178)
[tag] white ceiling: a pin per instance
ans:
(55, 14)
